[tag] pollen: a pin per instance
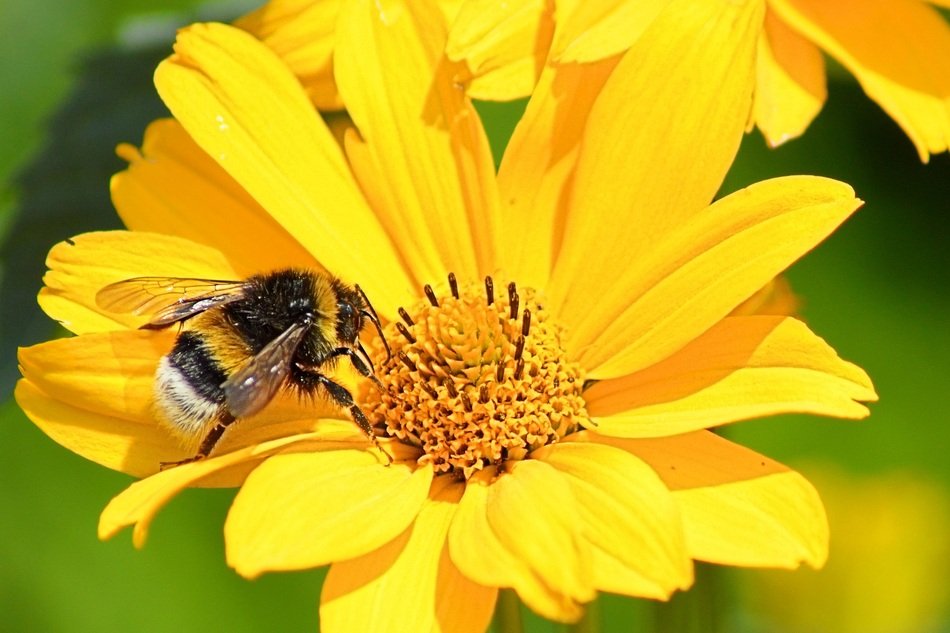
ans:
(477, 378)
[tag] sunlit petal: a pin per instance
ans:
(589, 30)
(742, 368)
(308, 509)
(248, 112)
(637, 181)
(173, 187)
(399, 90)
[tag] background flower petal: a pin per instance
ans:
(535, 173)
(409, 584)
(305, 510)
(82, 266)
(139, 503)
(502, 44)
(247, 111)
(533, 511)
(429, 162)
(302, 33)
(706, 267)
(625, 512)
(658, 142)
(899, 51)
(589, 30)
(738, 507)
(789, 82)
(742, 368)
(480, 555)
(173, 187)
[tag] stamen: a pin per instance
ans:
(466, 402)
(454, 285)
(430, 295)
(513, 299)
(450, 387)
(490, 290)
(525, 322)
(405, 317)
(519, 369)
(483, 394)
(405, 332)
(429, 389)
(519, 347)
(500, 373)
(407, 361)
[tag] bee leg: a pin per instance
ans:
(342, 397)
(358, 361)
(207, 444)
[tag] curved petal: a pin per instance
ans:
(409, 584)
(590, 30)
(710, 264)
(174, 188)
(244, 108)
(626, 513)
(775, 298)
(110, 373)
(738, 507)
(659, 140)
(117, 443)
(308, 509)
(80, 267)
(139, 503)
(535, 173)
(790, 82)
(481, 556)
(742, 368)
(503, 45)
(899, 51)
(532, 510)
(301, 32)
(426, 156)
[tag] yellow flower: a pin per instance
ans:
(897, 50)
(499, 60)
(549, 426)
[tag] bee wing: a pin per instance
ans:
(255, 384)
(166, 300)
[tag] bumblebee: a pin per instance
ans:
(242, 341)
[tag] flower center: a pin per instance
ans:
(475, 379)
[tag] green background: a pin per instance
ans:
(77, 78)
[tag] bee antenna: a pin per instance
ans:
(370, 313)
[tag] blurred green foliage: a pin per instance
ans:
(876, 290)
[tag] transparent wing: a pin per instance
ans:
(166, 300)
(255, 384)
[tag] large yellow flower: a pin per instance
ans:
(897, 49)
(548, 401)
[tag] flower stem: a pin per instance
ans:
(508, 613)
(698, 610)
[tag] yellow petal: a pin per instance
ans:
(139, 503)
(626, 513)
(897, 50)
(790, 82)
(409, 584)
(776, 298)
(110, 373)
(707, 266)
(533, 512)
(738, 507)
(426, 154)
(589, 30)
(173, 187)
(659, 140)
(535, 171)
(426, 161)
(480, 555)
(503, 44)
(117, 443)
(742, 368)
(301, 32)
(309, 509)
(244, 108)
(80, 267)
